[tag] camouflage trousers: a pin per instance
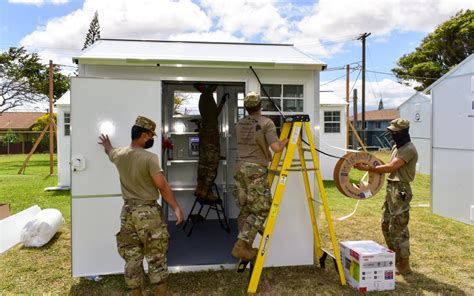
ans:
(142, 234)
(209, 155)
(396, 216)
(253, 196)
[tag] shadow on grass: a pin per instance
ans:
(107, 285)
(418, 283)
(59, 193)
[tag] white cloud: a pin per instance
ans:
(38, 2)
(139, 19)
(392, 93)
(338, 22)
(216, 36)
(249, 18)
(333, 19)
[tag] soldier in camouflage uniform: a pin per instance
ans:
(209, 138)
(143, 233)
(255, 135)
(396, 215)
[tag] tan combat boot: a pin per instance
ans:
(136, 292)
(161, 289)
(244, 251)
(403, 267)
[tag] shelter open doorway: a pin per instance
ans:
(209, 245)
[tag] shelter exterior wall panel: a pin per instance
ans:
(419, 116)
(64, 149)
(423, 146)
(417, 109)
(329, 142)
(452, 186)
(453, 142)
(126, 99)
(452, 107)
(95, 221)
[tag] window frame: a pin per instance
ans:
(67, 123)
(336, 124)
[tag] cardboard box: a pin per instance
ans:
(368, 266)
(4, 210)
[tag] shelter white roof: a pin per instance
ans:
(330, 98)
(64, 100)
(188, 53)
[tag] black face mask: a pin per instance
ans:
(149, 143)
(401, 138)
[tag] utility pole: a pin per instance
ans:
(347, 105)
(354, 141)
(51, 143)
(362, 37)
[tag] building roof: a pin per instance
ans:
(379, 115)
(18, 120)
(64, 100)
(452, 72)
(330, 98)
(189, 53)
(418, 95)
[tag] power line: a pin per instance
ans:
(342, 76)
(375, 74)
(355, 81)
(407, 76)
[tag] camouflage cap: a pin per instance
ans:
(398, 124)
(252, 99)
(146, 123)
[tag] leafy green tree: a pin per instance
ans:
(448, 45)
(94, 31)
(24, 79)
(10, 138)
(39, 125)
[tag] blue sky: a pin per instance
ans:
(326, 29)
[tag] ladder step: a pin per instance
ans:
(301, 169)
(294, 169)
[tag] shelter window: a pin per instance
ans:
(332, 121)
(240, 105)
(289, 98)
(67, 124)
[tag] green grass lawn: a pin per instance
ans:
(442, 249)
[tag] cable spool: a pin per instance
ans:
(363, 190)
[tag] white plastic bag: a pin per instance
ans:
(39, 230)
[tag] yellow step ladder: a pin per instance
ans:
(292, 129)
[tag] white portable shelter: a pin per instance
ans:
(452, 174)
(332, 130)
(63, 109)
(417, 109)
(120, 79)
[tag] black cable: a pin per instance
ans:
(284, 117)
(266, 94)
